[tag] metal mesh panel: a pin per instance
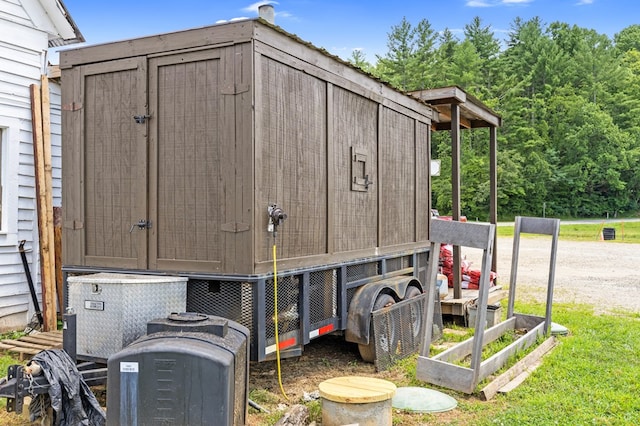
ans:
(288, 300)
(362, 270)
(394, 264)
(398, 263)
(227, 299)
(323, 295)
(398, 330)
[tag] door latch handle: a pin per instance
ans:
(142, 224)
(141, 119)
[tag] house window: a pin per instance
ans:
(9, 179)
(3, 144)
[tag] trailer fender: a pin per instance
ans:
(361, 306)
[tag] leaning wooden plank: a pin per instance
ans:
(48, 300)
(520, 378)
(52, 300)
(492, 388)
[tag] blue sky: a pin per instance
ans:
(340, 26)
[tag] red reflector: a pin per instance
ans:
(325, 329)
(287, 343)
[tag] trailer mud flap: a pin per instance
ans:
(398, 330)
(362, 304)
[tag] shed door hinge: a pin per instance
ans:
(234, 227)
(234, 89)
(73, 106)
(73, 224)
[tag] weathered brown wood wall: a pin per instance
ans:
(356, 212)
(254, 118)
(188, 150)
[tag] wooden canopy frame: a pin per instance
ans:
(459, 110)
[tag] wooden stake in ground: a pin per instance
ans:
(46, 268)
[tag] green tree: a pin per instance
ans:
(394, 66)
(592, 157)
(358, 59)
(423, 57)
(442, 73)
(628, 39)
(487, 48)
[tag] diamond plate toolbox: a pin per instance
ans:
(112, 310)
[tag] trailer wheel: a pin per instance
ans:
(386, 337)
(416, 312)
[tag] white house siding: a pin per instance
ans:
(22, 57)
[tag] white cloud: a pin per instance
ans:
(583, 2)
(493, 3)
(478, 3)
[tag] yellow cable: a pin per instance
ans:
(275, 303)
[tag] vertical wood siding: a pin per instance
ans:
(397, 178)
(111, 163)
(294, 157)
(423, 181)
(355, 125)
(189, 145)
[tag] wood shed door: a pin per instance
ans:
(186, 148)
(114, 164)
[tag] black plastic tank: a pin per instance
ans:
(190, 369)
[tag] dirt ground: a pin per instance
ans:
(599, 273)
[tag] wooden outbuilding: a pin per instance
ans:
(176, 145)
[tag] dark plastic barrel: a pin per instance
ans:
(190, 369)
(608, 233)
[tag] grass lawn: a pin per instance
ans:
(592, 377)
(626, 232)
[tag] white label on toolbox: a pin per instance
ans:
(128, 367)
(94, 305)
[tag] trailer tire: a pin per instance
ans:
(386, 337)
(416, 311)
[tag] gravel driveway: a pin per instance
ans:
(604, 274)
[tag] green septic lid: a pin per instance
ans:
(557, 329)
(422, 400)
